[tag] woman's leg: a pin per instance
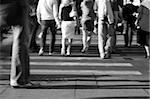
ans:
(69, 46)
(63, 42)
(43, 39)
(84, 40)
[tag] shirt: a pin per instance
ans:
(45, 9)
(87, 9)
(104, 9)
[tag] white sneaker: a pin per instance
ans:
(40, 35)
(41, 52)
(102, 55)
(62, 51)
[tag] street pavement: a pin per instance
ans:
(83, 76)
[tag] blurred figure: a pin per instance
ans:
(47, 16)
(34, 25)
(105, 27)
(67, 15)
(14, 13)
(116, 8)
(129, 19)
(143, 23)
(87, 22)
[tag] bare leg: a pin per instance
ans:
(147, 51)
(69, 46)
(63, 46)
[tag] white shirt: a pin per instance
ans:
(104, 9)
(47, 10)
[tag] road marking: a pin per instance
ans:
(95, 72)
(70, 58)
(75, 64)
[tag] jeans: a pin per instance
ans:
(45, 24)
(106, 37)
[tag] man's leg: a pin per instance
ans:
(53, 36)
(20, 58)
(101, 39)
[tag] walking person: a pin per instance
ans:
(34, 25)
(143, 22)
(68, 24)
(129, 19)
(105, 27)
(14, 13)
(47, 16)
(87, 21)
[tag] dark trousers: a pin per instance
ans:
(14, 14)
(45, 24)
(34, 28)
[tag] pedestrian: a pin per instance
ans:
(34, 25)
(14, 13)
(67, 24)
(143, 23)
(105, 27)
(116, 8)
(47, 16)
(129, 18)
(87, 22)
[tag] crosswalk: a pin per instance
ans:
(75, 65)
(109, 73)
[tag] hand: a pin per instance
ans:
(39, 21)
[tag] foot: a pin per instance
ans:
(107, 56)
(84, 50)
(68, 53)
(41, 52)
(102, 55)
(28, 85)
(62, 52)
(50, 53)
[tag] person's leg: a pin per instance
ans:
(109, 43)
(89, 37)
(20, 58)
(126, 36)
(63, 43)
(101, 39)
(69, 46)
(84, 40)
(34, 28)
(53, 36)
(147, 50)
(44, 28)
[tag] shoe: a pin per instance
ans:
(41, 52)
(102, 56)
(28, 85)
(84, 50)
(68, 53)
(147, 57)
(50, 53)
(62, 52)
(40, 35)
(107, 56)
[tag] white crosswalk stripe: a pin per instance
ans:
(75, 64)
(63, 63)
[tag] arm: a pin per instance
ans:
(38, 13)
(139, 16)
(109, 12)
(60, 11)
(55, 13)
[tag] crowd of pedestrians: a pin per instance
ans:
(100, 15)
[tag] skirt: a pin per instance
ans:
(143, 37)
(68, 29)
